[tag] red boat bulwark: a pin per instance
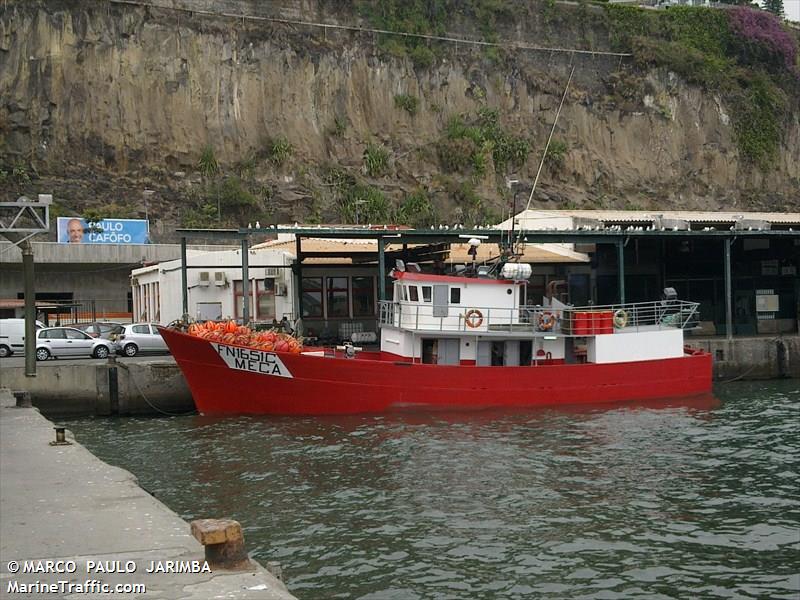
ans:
(228, 379)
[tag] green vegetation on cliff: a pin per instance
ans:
(743, 54)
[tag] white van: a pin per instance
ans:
(12, 336)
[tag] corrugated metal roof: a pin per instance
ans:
(320, 245)
(535, 253)
(639, 216)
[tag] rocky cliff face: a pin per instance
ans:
(102, 100)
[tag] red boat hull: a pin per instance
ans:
(222, 383)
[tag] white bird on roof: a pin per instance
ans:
(295, 224)
(249, 225)
(258, 225)
(272, 226)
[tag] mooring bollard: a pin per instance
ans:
(23, 399)
(61, 437)
(224, 543)
(274, 567)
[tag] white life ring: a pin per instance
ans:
(546, 321)
(473, 318)
(620, 319)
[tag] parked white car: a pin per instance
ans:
(63, 342)
(12, 336)
(139, 338)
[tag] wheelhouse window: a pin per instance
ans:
(312, 296)
(455, 295)
(426, 293)
(413, 295)
(363, 296)
(338, 301)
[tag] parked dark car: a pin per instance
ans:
(105, 330)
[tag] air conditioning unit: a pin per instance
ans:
(280, 289)
(220, 279)
(204, 278)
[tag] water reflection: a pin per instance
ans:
(662, 499)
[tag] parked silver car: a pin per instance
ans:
(105, 330)
(62, 342)
(140, 337)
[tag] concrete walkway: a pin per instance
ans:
(63, 503)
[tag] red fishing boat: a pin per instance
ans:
(453, 342)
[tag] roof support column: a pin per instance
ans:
(184, 282)
(728, 291)
(245, 280)
(30, 309)
(298, 272)
(381, 271)
(621, 270)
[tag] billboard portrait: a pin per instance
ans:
(75, 230)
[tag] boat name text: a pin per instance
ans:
(254, 361)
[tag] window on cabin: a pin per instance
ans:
(413, 295)
(426, 293)
(455, 295)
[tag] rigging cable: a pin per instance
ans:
(547, 146)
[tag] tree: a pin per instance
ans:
(775, 7)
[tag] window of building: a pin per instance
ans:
(337, 297)
(455, 295)
(363, 296)
(413, 295)
(238, 301)
(426, 293)
(312, 296)
(265, 299)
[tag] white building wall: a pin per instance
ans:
(628, 347)
(157, 289)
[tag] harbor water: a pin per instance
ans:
(664, 500)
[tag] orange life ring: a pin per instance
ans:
(473, 318)
(546, 321)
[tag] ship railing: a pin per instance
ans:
(569, 320)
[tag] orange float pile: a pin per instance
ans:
(228, 332)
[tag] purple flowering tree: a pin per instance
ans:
(763, 37)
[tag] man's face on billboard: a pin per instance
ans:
(75, 231)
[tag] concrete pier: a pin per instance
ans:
(119, 387)
(773, 357)
(61, 504)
